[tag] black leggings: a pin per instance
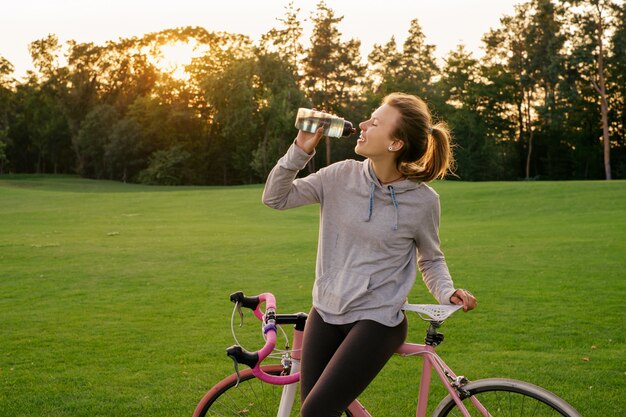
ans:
(340, 361)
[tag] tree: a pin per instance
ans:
(278, 67)
(321, 57)
(460, 88)
(593, 19)
(81, 80)
(125, 73)
(6, 95)
(4, 160)
(616, 67)
(417, 62)
(125, 154)
(279, 99)
(167, 167)
(544, 41)
(506, 56)
(45, 55)
(48, 128)
(599, 82)
(6, 69)
(384, 67)
(285, 42)
(526, 49)
(92, 140)
(412, 70)
(333, 73)
(39, 135)
(234, 129)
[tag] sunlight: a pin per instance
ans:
(174, 57)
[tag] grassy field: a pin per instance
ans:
(114, 297)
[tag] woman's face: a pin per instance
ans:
(377, 133)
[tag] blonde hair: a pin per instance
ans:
(427, 151)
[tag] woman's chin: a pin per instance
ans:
(359, 149)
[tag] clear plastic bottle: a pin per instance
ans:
(335, 127)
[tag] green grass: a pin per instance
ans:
(114, 297)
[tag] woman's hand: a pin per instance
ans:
(309, 141)
(464, 298)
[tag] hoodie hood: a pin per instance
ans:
(399, 186)
(391, 190)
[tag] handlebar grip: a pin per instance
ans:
(249, 302)
(254, 303)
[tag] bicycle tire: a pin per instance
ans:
(252, 398)
(508, 397)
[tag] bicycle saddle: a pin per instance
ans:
(432, 312)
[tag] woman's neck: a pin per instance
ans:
(386, 171)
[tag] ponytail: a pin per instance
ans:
(427, 151)
(438, 159)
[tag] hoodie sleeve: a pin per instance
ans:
(430, 258)
(282, 189)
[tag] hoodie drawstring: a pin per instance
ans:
(371, 208)
(395, 205)
(393, 200)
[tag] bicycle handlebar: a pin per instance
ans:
(254, 359)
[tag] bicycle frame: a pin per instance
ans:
(431, 361)
(448, 378)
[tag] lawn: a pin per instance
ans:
(114, 297)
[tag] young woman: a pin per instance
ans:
(379, 222)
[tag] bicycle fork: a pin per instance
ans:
(291, 362)
(288, 396)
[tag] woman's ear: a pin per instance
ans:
(397, 144)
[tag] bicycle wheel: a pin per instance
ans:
(252, 398)
(507, 397)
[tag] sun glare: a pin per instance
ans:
(174, 57)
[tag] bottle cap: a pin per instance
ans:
(348, 129)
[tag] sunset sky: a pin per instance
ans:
(446, 23)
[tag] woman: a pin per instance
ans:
(379, 222)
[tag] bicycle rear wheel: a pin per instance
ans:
(508, 397)
(252, 398)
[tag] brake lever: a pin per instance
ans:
(236, 369)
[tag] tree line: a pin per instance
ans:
(546, 101)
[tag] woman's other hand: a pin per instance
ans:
(309, 141)
(464, 298)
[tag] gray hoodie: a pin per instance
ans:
(372, 238)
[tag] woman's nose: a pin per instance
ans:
(362, 125)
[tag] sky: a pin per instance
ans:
(445, 23)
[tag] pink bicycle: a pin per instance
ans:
(272, 390)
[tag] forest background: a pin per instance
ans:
(546, 101)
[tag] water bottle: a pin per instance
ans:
(335, 127)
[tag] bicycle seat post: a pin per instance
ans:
(433, 338)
